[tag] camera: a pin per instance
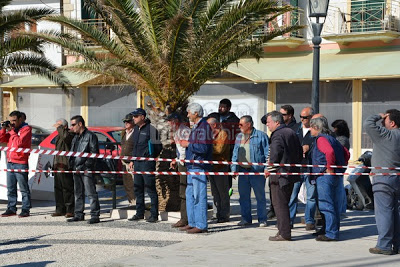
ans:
(5, 124)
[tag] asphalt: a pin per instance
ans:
(42, 240)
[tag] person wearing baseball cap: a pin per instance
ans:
(126, 150)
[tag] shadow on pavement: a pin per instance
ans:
(28, 248)
(31, 264)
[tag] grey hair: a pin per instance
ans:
(195, 108)
(212, 120)
(321, 125)
(247, 118)
(63, 122)
(276, 116)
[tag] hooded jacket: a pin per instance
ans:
(17, 138)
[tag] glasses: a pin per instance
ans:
(304, 117)
(73, 124)
(284, 114)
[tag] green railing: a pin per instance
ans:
(363, 16)
(291, 18)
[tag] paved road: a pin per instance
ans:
(42, 240)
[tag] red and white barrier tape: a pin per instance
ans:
(197, 173)
(103, 156)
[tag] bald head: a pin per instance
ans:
(305, 116)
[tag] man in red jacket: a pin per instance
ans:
(17, 134)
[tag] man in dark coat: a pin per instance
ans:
(287, 112)
(63, 182)
(285, 148)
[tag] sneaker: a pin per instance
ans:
(262, 224)
(152, 219)
(380, 251)
(8, 213)
(243, 223)
(93, 220)
(23, 214)
(136, 218)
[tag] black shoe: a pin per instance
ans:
(320, 232)
(324, 238)
(222, 220)
(152, 219)
(76, 219)
(271, 214)
(93, 220)
(136, 218)
(24, 213)
(8, 213)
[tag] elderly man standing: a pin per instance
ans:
(386, 188)
(220, 184)
(285, 148)
(84, 141)
(198, 147)
(251, 145)
(126, 150)
(63, 182)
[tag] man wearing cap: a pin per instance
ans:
(180, 133)
(145, 144)
(126, 150)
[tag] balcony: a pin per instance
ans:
(362, 20)
(292, 39)
(99, 24)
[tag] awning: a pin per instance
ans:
(35, 81)
(333, 66)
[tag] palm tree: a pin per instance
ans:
(167, 48)
(24, 54)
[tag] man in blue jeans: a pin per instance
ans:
(386, 188)
(18, 134)
(251, 145)
(198, 147)
(306, 141)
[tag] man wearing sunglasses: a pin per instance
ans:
(287, 112)
(84, 141)
(306, 140)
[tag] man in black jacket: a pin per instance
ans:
(288, 117)
(145, 144)
(84, 141)
(285, 148)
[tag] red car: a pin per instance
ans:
(105, 134)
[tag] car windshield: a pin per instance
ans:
(116, 135)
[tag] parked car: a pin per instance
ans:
(109, 144)
(109, 139)
(38, 134)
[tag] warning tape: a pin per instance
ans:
(103, 156)
(197, 173)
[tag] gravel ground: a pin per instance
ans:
(42, 240)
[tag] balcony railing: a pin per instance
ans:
(291, 18)
(362, 16)
(99, 24)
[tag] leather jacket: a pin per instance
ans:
(86, 142)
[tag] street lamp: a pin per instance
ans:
(318, 10)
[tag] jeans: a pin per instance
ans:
(257, 182)
(311, 204)
(196, 199)
(341, 199)
(146, 182)
(387, 211)
(86, 183)
(327, 187)
(22, 179)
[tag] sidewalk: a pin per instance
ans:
(234, 246)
